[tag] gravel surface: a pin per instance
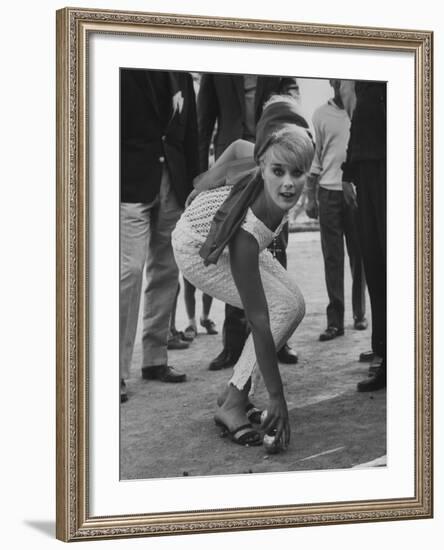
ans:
(167, 430)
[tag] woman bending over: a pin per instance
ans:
(220, 244)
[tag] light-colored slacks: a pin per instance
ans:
(145, 242)
(286, 304)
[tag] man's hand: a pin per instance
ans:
(312, 208)
(311, 201)
(349, 194)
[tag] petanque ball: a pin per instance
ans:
(272, 446)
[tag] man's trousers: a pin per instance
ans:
(145, 243)
(371, 184)
(337, 221)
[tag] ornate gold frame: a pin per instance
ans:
(73, 519)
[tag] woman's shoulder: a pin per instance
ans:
(212, 194)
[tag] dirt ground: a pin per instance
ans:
(167, 430)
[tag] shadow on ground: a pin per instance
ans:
(45, 527)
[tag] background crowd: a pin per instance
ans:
(173, 126)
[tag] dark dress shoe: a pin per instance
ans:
(377, 381)
(360, 324)
(330, 333)
(366, 356)
(176, 342)
(226, 359)
(375, 364)
(164, 373)
(287, 355)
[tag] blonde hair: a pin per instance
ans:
(293, 144)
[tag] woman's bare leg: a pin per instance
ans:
(232, 411)
(207, 300)
(189, 293)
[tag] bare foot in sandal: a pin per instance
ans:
(253, 414)
(244, 435)
(231, 417)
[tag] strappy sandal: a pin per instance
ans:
(253, 413)
(208, 325)
(244, 435)
(189, 334)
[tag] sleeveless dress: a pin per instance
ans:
(284, 299)
(197, 218)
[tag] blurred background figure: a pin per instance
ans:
(159, 159)
(366, 167)
(337, 215)
(179, 339)
(205, 322)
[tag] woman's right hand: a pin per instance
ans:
(277, 420)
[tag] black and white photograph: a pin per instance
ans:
(235, 274)
(205, 275)
(252, 301)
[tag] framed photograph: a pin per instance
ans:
(290, 131)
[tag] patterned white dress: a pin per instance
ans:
(285, 301)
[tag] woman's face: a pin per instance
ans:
(283, 180)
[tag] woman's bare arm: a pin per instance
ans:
(237, 150)
(244, 260)
(240, 150)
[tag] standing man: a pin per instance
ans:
(230, 106)
(365, 166)
(337, 217)
(159, 158)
